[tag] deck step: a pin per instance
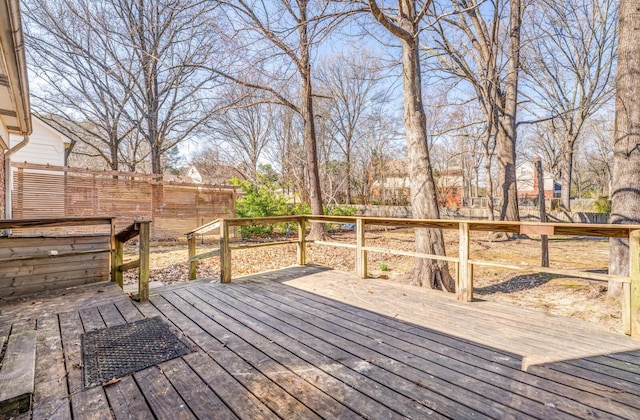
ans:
(17, 375)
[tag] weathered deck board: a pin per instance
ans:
(85, 404)
(509, 376)
(308, 370)
(416, 340)
(50, 396)
(445, 375)
(311, 343)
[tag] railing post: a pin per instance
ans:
(361, 254)
(191, 242)
(225, 253)
(631, 292)
(143, 251)
(465, 273)
(302, 244)
(117, 257)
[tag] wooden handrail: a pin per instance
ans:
(118, 267)
(207, 227)
(55, 222)
(463, 263)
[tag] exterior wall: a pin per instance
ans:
(46, 145)
(527, 182)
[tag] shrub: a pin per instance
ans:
(602, 205)
(260, 200)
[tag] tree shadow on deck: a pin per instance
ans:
(282, 275)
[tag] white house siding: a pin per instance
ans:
(46, 145)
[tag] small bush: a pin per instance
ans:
(602, 205)
(340, 211)
(384, 267)
(260, 200)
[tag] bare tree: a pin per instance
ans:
(469, 44)
(570, 59)
(625, 191)
(404, 23)
(162, 46)
(286, 151)
(136, 59)
(72, 55)
(352, 85)
(286, 32)
(244, 132)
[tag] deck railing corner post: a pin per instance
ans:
(361, 253)
(193, 264)
(225, 252)
(302, 244)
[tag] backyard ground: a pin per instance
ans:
(553, 294)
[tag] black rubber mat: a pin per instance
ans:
(124, 349)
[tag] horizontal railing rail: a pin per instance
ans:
(463, 263)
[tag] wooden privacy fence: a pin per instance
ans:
(463, 262)
(33, 261)
(55, 191)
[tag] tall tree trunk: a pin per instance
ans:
(507, 129)
(434, 274)
(315, 192)
(625, 184)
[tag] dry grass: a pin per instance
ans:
(553, 294)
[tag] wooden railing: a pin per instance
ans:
(463, 263)
(118, 267)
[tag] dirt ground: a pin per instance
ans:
(553, 294)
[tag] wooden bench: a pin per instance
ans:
(17, 374)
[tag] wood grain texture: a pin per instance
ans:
(17, 375)
(307, 342)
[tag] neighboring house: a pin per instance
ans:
(15, 114)
(527, 182)
(47, 146)
(450, 187)
(390, 184)
(215, 174)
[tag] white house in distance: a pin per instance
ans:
(47, 146)
(527, 182)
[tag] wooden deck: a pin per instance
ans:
(307, 342)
